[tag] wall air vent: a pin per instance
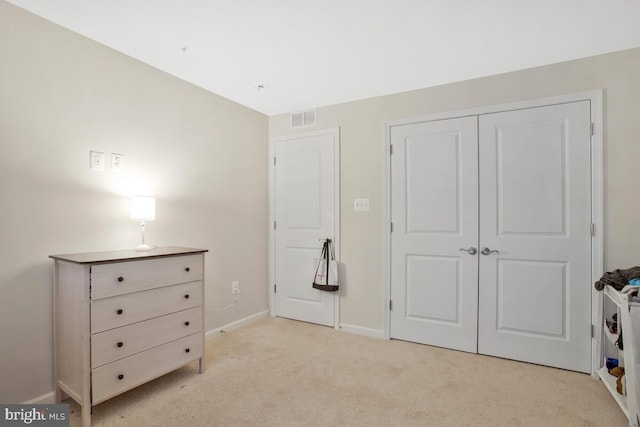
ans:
(303, 119)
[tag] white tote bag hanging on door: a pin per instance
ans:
(326, 277)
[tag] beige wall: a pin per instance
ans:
(205, 159)
(202, 156)
(362, 160)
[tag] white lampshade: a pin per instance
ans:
(143, 208)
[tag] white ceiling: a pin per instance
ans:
(322, 52)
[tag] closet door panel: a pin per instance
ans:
(434, 208)
(535, 210)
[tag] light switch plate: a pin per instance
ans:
(96, 160)
(117, 162)
(361, 205)
(235, 287)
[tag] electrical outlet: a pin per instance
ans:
(361, 205)
(96, 160)
(117, 162)
(235, 287)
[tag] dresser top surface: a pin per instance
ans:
(125, 255)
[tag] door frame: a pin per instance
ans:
(597, 195)
(271, 268)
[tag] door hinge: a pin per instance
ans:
(274, 160)
(593, 331)
(274, 225)
(392, 227)
(593, 229)
(591, 131)
(390, 304)
(391, 149)
(275, 287)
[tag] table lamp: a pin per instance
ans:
(143, 208)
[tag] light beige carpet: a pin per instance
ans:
(280, 372)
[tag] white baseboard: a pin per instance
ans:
(360, 330)
(236, 325)
(41, 400)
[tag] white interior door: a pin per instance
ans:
(535, 209)
(434, 210)
(305, 213)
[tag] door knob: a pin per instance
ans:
(470, 251)
(487, 251)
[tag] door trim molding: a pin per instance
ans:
(335, 133)
(597, 194)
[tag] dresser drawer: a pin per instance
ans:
(119, 376)
(118, 343)
(120, 278)
(109, 313)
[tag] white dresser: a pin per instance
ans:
(122, 318)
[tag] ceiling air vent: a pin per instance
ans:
(303, 119)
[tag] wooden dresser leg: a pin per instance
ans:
(57, 394)
(86, 415)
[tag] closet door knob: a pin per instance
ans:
(120, 344)
(186, 323)
(120, 311)
(487, 251)
(120, 377)
(187, 269)
(120, 279)
(186, 296)
(187, 350)
(470, 251)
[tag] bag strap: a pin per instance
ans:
(322, 256)
(326, 244)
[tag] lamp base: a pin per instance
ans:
(143, 247)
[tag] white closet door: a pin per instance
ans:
(535, 209)
(305, 213)
(434, 204)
